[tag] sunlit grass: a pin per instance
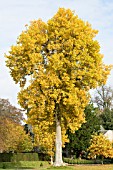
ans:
(84, 167)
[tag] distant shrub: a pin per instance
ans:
(4, 166)
(41, 164)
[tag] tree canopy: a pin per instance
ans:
(61, 60)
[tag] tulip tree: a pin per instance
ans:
(56, 63)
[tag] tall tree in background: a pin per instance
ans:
(63, 60)
(104, 97)
(104, 100)
(7, 111)
(106, 119)
(12, 134)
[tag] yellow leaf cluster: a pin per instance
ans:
(45, 136)
(100, 146)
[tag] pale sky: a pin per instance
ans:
(15, 14)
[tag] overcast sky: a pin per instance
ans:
(15, 14)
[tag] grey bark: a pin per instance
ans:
(58, 154)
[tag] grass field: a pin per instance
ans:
(40, 165)
(84, 167)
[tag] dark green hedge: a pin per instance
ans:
(85, 161)
(81, 161)
(15, 157)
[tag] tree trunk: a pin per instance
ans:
(102, 160)
(58, 153)
(51, 160)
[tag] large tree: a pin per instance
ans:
(63, 61)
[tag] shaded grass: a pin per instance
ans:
(24, 165)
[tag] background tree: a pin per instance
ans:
(63, 60)
(14, 138)
(104, 97)
(106, 119)
(100, 146)
(7, 111)
(104, 100)
(80, 140)
(12, 135)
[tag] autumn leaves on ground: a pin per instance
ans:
(56, 64)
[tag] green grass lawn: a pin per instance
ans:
(24, 165)
(85, 167)
(41, 165)
(104, 167)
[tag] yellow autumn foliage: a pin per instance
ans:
(45, 137)
(13, 138)
(100, 146)
(64, 62)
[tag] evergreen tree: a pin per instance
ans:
(80, 140)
